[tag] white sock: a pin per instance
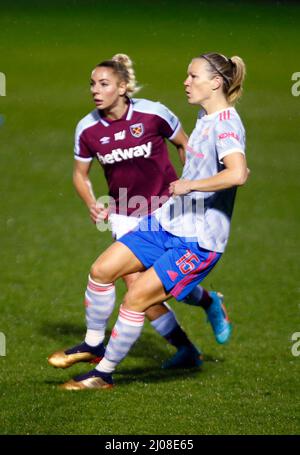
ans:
(99, 302)
(126, 331)
(93, 337)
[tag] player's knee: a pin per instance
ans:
(130, 279)
(100, 272)
(135, 300)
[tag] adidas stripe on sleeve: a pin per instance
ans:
(229, 134)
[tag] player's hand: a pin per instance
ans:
(179, 187)
(98, 213)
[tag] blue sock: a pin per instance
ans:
(199, 297)
(168, 327)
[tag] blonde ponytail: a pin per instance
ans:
(125, 61)
(236, 87)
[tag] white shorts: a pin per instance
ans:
(121, 224)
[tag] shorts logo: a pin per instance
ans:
(172, 275)
(137, 130)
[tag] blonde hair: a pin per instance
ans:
(122, 65)
(232, 70)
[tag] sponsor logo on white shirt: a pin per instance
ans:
(229, 134)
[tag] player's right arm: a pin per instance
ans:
(84, 187)
(82, 165)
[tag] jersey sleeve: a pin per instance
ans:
(169, 123)
(81, 149)
(229, 136)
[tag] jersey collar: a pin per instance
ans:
(127, 115)
(205, 116)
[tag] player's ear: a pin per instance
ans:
(216, 82)
(122, 88)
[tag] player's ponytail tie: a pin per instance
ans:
(232, 70)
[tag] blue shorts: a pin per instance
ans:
(180, 264)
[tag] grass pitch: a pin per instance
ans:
(250, 386)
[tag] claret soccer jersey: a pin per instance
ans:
(132, 152)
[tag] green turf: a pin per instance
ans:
(250, 386)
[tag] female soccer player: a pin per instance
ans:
(179, 250)
(127, 137)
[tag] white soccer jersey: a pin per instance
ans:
(201, 216)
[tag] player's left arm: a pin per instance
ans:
(180, 141)
(234, 174)
(169, 127)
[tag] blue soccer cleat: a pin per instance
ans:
(80, 353)
(185, 357)
(92, 380)
(218, 318)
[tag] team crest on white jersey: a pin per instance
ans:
(205, 134)
(137, 130)
(104, 140)
(120, 136)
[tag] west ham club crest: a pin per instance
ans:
(137, 130)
